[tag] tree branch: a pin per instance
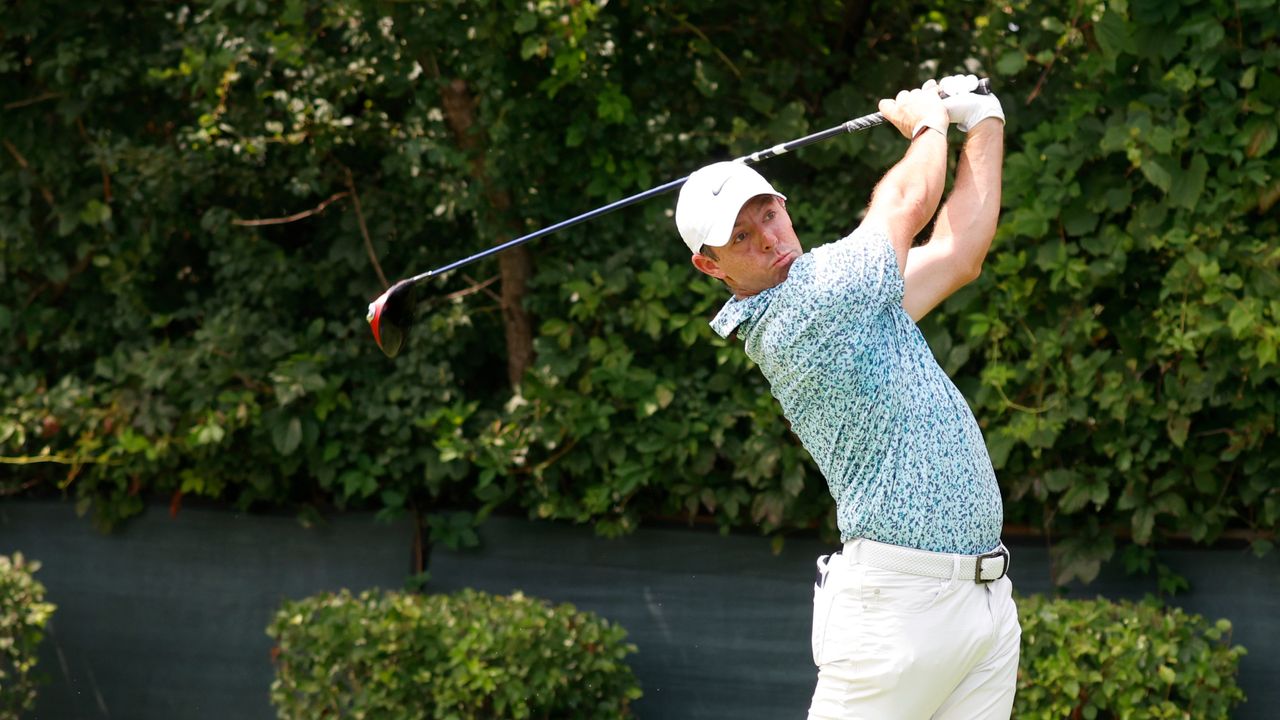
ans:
(22, 163)
(102, 165)
(32, 100)
(475, 288)
(60, 459)
(59, 288)
(1035, 92)
(364, 229)
(684, 23)
(294, 217)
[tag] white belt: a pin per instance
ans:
(983, 568)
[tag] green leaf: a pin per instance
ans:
(1178, 427)
(1268, 341)
(1261, 547)
(664, 396)
(525, 22)
(1011, 63)
(531, 46)
(612, 106)
(95, 212)
(209, 433)
(1156, 170)
(1060, 479)
(1242, 319)
(1181, 77)
(1113, 34)
(1260, 137)
(1078, 221)
(1187, 190)
(286, 436)
(1144, 520)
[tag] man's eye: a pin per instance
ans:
(739, 237)
(771, 215)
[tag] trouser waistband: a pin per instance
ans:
(984, 568)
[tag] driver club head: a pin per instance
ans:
(391, 315)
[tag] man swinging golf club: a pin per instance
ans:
(913, 617)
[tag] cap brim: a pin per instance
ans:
(725, 221)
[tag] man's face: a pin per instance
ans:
(760, 251)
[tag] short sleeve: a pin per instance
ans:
(861, 270)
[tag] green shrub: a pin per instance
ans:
(23, 614)
(1101, 659)
(466, 655)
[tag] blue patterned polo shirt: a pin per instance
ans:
(899, 447)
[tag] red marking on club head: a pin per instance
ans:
(390, 317)
(375, 318)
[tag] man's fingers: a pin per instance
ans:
(911, 110)
(958, 84)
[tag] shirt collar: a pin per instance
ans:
(739, 310)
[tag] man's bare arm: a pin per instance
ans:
(907, 196)
(965, 226)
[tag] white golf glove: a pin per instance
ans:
(966, 107)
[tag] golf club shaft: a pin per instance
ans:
(854, 125)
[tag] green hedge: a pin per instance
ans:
(466, 655)
(23, 615)
(474, 655)
(1098, 659)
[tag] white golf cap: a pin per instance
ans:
(710, 200)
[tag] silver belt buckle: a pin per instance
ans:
(999, 552)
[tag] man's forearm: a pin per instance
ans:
(908, 195)
(968, 219)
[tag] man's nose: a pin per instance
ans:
(767, 240)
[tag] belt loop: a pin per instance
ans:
(955, 567)
(853, 551)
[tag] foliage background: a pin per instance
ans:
(1103, 659)
(1120, 349)
(24, 614)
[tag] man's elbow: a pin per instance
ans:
(964, 260)
(971, 250)
(970, 269)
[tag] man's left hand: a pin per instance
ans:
(965, 107)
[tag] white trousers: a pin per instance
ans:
(893, 646)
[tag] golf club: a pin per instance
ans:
(391, 315)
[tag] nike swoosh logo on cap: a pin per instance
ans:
(722, 184)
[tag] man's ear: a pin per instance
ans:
(707, 265)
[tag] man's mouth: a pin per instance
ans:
(784, 259)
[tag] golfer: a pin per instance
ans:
(913, 617)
